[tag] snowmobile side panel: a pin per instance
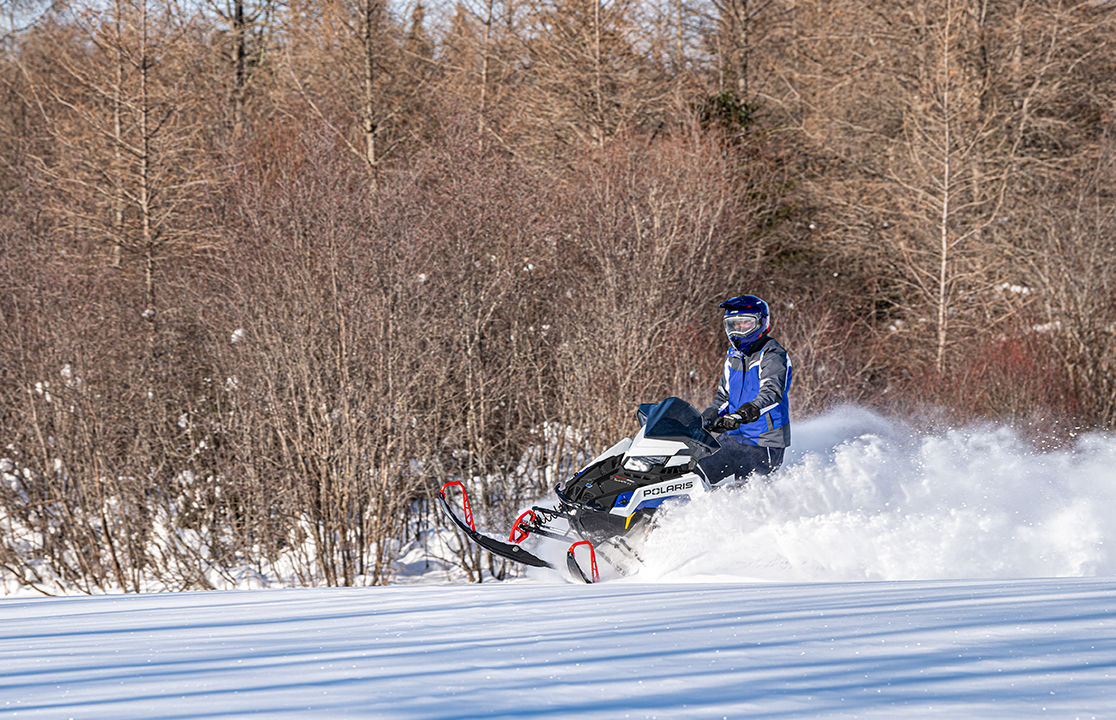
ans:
(651, 496)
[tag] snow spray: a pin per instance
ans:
(861, 497)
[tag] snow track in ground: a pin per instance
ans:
(1004, 649)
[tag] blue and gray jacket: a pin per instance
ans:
(760, 374)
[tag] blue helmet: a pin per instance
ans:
(747, 319)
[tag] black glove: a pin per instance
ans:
(746, 413)
(725, 423)
(708, 417)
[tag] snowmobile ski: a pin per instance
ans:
(575, 569)
(492, 545)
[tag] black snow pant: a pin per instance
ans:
(740, 459)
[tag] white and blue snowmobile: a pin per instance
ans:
(611, 500)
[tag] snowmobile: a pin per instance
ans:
(613, 498)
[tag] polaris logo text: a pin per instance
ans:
(668, 489)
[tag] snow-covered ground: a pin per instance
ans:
(886, 573)
(1003, 649)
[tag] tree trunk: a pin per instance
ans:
(368, 39)
(943, 228)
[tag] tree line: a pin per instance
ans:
(273, 271)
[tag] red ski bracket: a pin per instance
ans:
(572, 564)
(464, 500)
(519, 534)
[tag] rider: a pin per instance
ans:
(750, 406)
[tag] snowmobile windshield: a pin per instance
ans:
(675, 419)
(741, 325)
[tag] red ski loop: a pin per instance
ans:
(592, 558)
(464, 500)
(519, 534)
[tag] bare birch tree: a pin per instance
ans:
(249, 28)
(587, 79)
(126, 161)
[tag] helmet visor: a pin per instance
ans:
(741, 325)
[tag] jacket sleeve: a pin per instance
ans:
(772, 377)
